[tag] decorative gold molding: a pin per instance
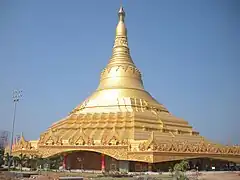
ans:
(202, 147)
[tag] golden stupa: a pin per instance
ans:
(123, 122)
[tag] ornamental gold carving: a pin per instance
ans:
(90, 141)
(122, 68)
(124, 142)
(121, 41)
(103, 141)
(80, 141)
(113, 141)
(145, 157)
(184, 147)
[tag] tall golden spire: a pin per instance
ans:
(121, 72)
(120, 82)
(121, 52)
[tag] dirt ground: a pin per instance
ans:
(220, 176)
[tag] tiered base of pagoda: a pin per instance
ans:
(85, 160)
(114, 153)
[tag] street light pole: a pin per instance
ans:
(16, 97)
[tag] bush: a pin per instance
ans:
(180, 169)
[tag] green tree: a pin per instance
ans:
(180, 170)
(36, 161)
(55, 162)
(39, 161)
(6, 159)
(16, 161)
(23, 161)
(47, 163)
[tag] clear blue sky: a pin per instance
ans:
(188, 52)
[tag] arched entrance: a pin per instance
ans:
(89, 160)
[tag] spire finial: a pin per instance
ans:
(121, 14)
(121, 29)
(121, 3)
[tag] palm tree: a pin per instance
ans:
(23, 160)
(16, 160)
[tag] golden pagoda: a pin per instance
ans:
(121, 126)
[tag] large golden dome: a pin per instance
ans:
(121, 86)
